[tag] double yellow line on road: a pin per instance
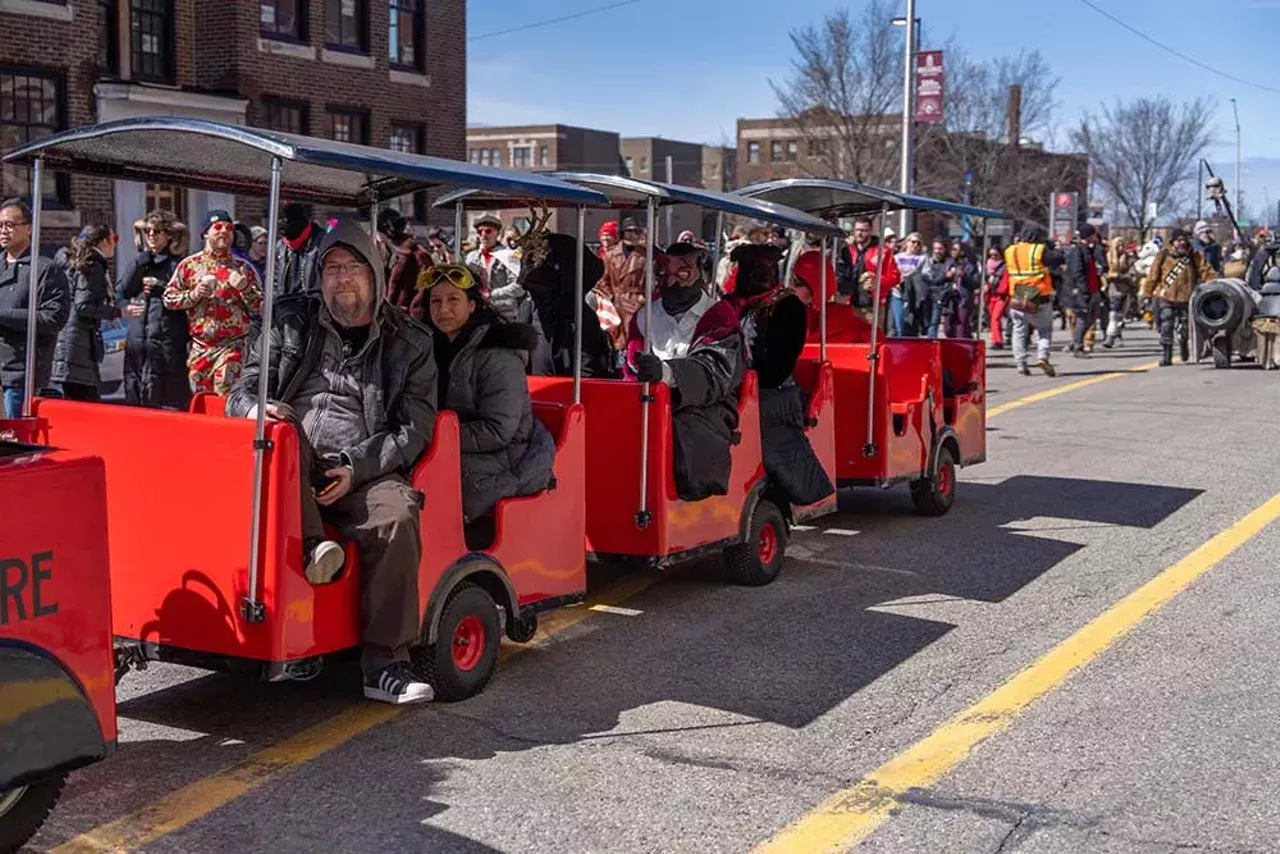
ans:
(201, 797)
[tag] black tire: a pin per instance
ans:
(934, 495)
(523, 629)
(461, 661)
(1221, 352)
(23, 817)
(758, 561)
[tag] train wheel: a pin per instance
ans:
(24, 809)
(758, 561)
(461, 661)
(933, 496)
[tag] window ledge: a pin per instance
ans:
(411, 78)
(281, 48)
(350, 60)
(59, 219)
(37, 9)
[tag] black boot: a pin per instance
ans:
(1166, 356)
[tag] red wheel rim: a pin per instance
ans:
(468, 643)
(946, 479)
(767, 547)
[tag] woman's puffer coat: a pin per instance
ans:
(506, 452)
(155, 347)
(80, 347)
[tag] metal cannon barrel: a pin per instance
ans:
(1223, 305)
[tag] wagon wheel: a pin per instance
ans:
(934, 494)
(757, 561)
(461, 661)
(24, 809)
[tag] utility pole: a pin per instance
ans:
(1236, 111)
(908, 110)
(671, 238)
(1200, 190)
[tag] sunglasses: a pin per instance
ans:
(486, 230)
(455, 274)
(221, 225)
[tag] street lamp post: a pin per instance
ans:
(908, 108)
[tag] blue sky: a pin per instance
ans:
(688, 69)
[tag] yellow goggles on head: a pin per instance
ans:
(455, 274)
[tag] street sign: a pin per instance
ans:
(1063, 209)
(929, 79)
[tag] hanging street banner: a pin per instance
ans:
(929, 86)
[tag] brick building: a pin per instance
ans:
(546, 148)
(387, 74)
(646, 157)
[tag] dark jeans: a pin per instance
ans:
(1172, 315)
(81, 391)
(382, 518)
(1086, 316)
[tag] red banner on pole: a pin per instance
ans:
(929, 78)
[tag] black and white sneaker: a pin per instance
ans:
(325, 560)
(397, 684)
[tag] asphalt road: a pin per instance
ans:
(713, 717)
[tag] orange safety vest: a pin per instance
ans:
(1022, 260)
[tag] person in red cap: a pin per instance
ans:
(220, 294)
(608, 237)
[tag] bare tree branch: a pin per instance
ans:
(1144, 152)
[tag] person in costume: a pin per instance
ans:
(497, 269)
(695, 348)
(220, 294)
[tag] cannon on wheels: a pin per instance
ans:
(1222, 311)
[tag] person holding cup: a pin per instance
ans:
(155, 349)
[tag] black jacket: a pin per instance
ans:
(296, 271)
(505, 450)
(1075, 275)
(155, 346)
(80, 348)
(549, 310)
(53, 306)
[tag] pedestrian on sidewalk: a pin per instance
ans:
(997, 295)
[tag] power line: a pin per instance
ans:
(1191, 59)
(549, 21)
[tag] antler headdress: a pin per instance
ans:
(533, 244)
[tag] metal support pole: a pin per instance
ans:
(715, 249)
(821, 297)
(578, 297)
(457, 233)
(33, 289)
(670, 211)
(908, 109)
(869, 448)
(1236, 111)
(252, 609)
(373, 221)
(643, 516)
(1200, 189)
(982, 273)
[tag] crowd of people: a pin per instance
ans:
(372, 334)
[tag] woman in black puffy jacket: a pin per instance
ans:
(80, 348)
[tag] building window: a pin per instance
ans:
(644, 165)
(775, 152)
(167, 197)
(285, 116)
(349, 126)
(346, 25)
(474, 155)
(409, 138)
(283, 19)
(30, 109)
(631, 166)
(522, 157)
(753, 152)
(407, 33)
(108, 38)
(793, 149)
(152, 25)
(495, 157)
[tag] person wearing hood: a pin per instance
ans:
(695, 348)
(1174, 275)
(1207, 245)
(547, 274)
(774, 324)
(220, 294)
(357, 379)
(506, 451)
(1083, 280)
(53, 306)
(298, 251)
(155, 347)
(80, 347)
(1122, 287)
